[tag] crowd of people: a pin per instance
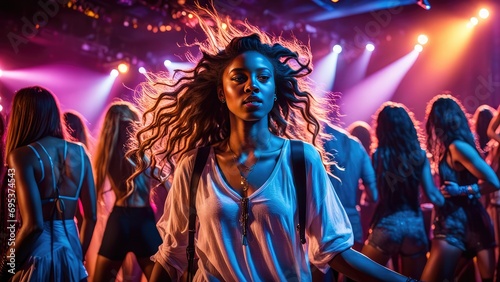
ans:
(198, 179)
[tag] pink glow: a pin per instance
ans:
(76, 88)
(362, 100)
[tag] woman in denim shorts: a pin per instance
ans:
(462, 228)
(401, 167)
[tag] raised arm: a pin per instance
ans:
(493, 126)
(88, 199)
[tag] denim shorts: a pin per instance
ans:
(402, 232)
(465, 224)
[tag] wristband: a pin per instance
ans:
(473, 191)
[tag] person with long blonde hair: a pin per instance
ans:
(247, 96)
(131, 225)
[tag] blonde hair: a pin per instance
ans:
(118, 122)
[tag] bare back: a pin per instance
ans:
(59, 169)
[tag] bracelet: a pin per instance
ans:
(473, 191)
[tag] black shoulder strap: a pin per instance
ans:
(299, 178)
(199, 164)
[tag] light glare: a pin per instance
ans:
(419, 48)
(370, 47)
(142, 70)
(337, 49)
(484, 13)
(474, 21)
(114, 73)
(167, 63)
(422, 39)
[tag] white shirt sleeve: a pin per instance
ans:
(173, 225)
(328, 228)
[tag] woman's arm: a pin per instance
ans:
(469, 158)
(360, 268)
(28, 200)
(368, 177)
(493, 126)
(430, 189)
(88, 199)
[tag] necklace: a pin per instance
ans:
(245, 185)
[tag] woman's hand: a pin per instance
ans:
(451, 189)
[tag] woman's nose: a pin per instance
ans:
(251, 86)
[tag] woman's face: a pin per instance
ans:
(248, 86)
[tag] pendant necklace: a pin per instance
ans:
(244, 173)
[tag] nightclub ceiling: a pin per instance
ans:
(64, 43)
(145, 32)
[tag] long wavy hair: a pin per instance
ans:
(77, 130)
(398, 157)
(182, 112)
(35, 114)
(446, 121)
(112, 145)
(481, 119)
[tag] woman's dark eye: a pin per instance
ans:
(238, 78)
(264, 77)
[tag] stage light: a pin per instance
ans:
(167, 63)
(337, 49)
(1, 73)
(424, 4)
(114, 73)
(474, 21)
(422, 39)
(123, 68)
(370, 47)
(224, 25)
(419, 48)
(142, 70)
(1, 108)
(484, 13)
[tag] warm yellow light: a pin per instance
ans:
(123, 68)
(224, 25)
